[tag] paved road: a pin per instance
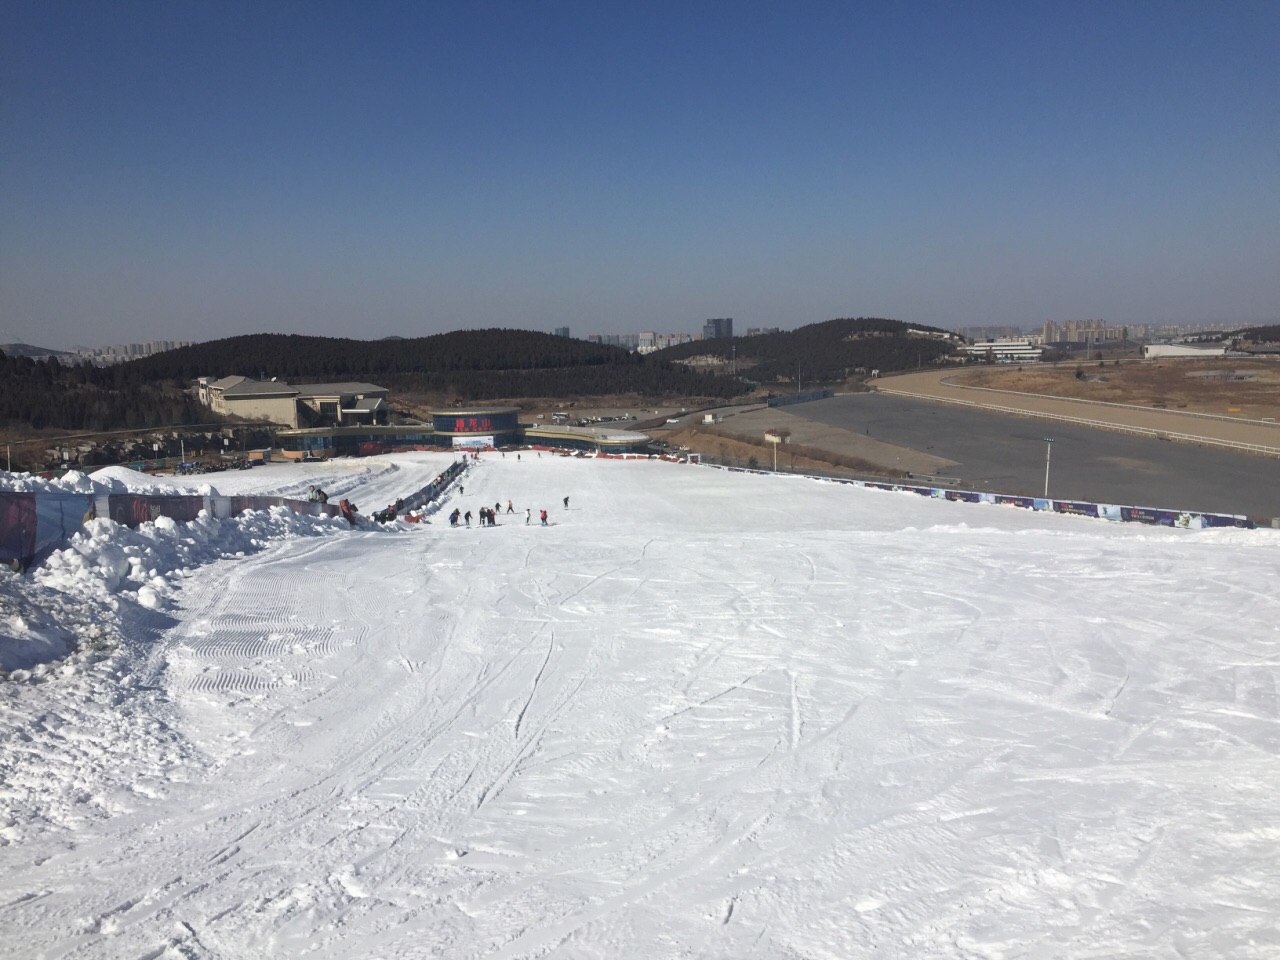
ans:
(1229, 429)
(1005, 453)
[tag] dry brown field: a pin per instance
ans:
(1249, 389)
(720, 445)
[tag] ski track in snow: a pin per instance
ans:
(702, 714)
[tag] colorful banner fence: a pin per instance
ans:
(1105, 511)
(31, 523)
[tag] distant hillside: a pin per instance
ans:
(468, 364)
(45, 394)
(825, 352)
(1270, 334)
(27, 350)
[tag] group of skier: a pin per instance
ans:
(489, 517)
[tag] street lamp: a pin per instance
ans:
(776, 437)
(1048, 451)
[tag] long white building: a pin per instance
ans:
(1003, 350)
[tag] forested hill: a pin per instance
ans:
(468, 364)
(44, 394)
(1270, 334)
(825, 352)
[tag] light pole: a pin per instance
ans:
(775, 437)
(1048, 451)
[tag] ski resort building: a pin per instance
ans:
(1003, 350)
(307, 404)
(482, 428)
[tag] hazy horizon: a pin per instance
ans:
(196, 171)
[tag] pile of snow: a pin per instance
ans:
(108, 564)
(108, 480)
(31, 632)
(148, 564)
(72, 482)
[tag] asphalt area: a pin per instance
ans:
(1002, 453)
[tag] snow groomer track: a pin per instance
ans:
(699, 714)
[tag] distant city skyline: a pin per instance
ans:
(202, 170)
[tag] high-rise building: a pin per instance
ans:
(717, 328)
(561, 331)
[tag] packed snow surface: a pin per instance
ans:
(701, 714)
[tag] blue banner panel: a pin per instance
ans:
(1027, 502)
(1226, 520)
(1078, 509)
(59, 515)
(1164, 518)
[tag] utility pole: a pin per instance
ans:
(1048, 452)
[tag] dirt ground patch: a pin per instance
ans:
(1249, 389)
(739, 451)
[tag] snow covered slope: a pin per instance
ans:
(700, 714)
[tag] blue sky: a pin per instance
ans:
(196, 170)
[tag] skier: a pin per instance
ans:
(566, 503)
(467, 517)
(527, 513)
(510, 508)
(543, 515)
